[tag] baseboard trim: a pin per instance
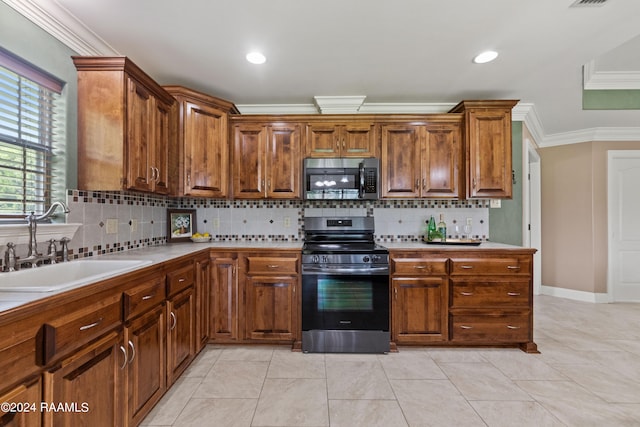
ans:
(575, 295)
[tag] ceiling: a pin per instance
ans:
(398, 53)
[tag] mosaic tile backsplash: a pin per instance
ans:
(142, 219)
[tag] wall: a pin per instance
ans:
(506, 222)
(574, 215)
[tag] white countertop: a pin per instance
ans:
(432, 246)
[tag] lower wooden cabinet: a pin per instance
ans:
(270, 308)
(181, 311)
(26, 397)
(419, 309)
(203, 298)
(91, 380)
(145, 366)
(224, 297)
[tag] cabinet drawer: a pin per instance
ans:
(466, 293)
(420, 266)
(16, 362)
(143, 297)
(513, 265)
(180, 279)
(490, 328)
(78, 328)
(279, 265)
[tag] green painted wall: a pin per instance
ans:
(611, 99)
(505, 223)
(23, 38)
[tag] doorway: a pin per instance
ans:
(623, 225)
(532, 230)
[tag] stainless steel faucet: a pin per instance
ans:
(33, 256)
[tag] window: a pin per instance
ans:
(28, 98)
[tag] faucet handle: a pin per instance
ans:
(53, 251)
(65, 248)
(10, 257)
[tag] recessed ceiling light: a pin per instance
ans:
(485, 57)
(256, 58)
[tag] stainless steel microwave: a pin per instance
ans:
(342, 178)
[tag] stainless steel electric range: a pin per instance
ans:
(345, 287)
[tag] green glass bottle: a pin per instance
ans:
(442, 228)
(431, 229)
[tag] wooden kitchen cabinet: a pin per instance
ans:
(266, 160)
(145, 348)
(202, 151)
(422, 160)
(126, 124)
(28, 395)
(271, 296)
(203, 299)
(488, 149)
(341, 139)
(419, 298)
(224, 298)
(181, 320)
(92, 380)
(491, 299)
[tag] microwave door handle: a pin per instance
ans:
(361, 189)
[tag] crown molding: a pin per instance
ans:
(609, 80)
(592, 135)
(277, 108)
(406, 108)
(61, 24)
(339, 104)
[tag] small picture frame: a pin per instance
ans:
(180, 224)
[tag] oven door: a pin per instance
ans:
(345, 299)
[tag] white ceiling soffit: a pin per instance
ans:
(616, 80)
(57, 21)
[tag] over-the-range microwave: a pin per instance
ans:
(341, 178)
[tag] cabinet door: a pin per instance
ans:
(271, 309)
(224, 299)
(162, 138)
(249, 174)
(28, 394)
(283, 162)
(419, 309)
(146, 373)
(206, 152)
(91, 379)
(441, 161)
(489, 151)
(323, 140)
(181, 334)
(203, 289)
(139, 143)
(400, 161)
(358, 140)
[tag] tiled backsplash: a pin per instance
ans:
(142, 219)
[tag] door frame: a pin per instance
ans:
(531, 209)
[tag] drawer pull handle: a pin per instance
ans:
(91, 325)
(124, 353)
(513, 267)
(466, 294)
(147, 297)
(182, 279)
(419, 267)
(173, 321)
(273, 265)
(133, 352)
(466, 327)
(466, 267)
(513, 327)
(513, 294)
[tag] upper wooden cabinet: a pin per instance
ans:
(266, 160)
(422, 159)
(126, 123)
(487, 137)
(341, 139)
(201, 154)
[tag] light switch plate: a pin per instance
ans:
(112, 226)
(495, 203)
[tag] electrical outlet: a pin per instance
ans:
(216, 222)
(112, 226)
(469, 221)
(495, 203)
(287, 221)
(134, 225)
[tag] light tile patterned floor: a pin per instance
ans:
(588, 374)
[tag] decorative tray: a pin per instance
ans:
(466, 242)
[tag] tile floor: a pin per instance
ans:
(588, 374)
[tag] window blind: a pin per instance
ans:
(27, 142)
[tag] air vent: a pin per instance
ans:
(588, 3)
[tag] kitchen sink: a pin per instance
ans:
(56, 277)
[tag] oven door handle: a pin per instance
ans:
(361, 186)
(337, 270)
